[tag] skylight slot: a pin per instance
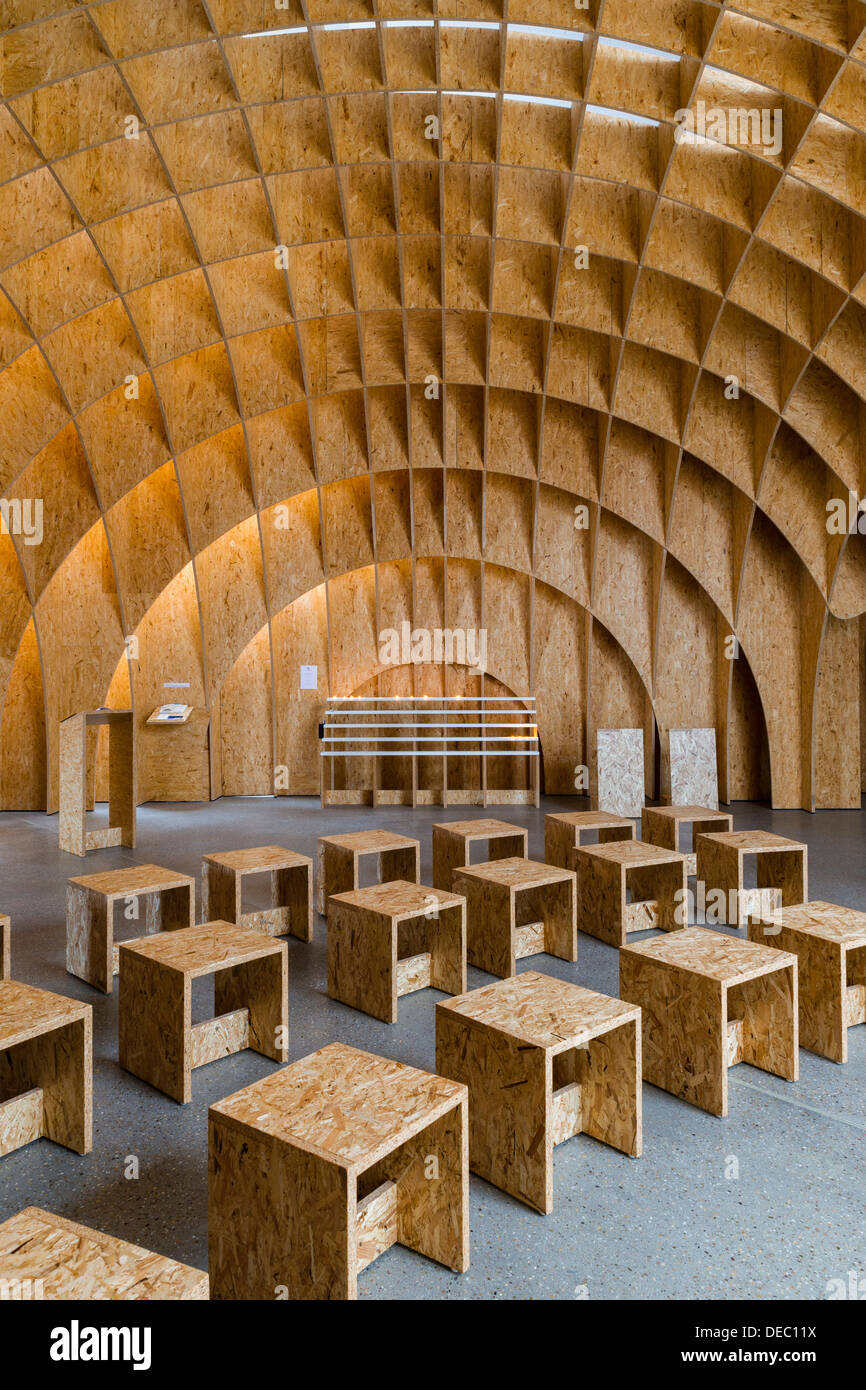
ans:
(542, 31)
(614, 115)
(536, 101)
(273, 33)
(658, 53)
(355, 24)
(468, 24)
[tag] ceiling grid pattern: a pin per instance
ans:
(369, 378)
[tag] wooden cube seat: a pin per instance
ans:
(46, 1068)
(544, 1060)
(44, 1256)
(399, 858)
(781, 872)
(517, 908)
(392, 939)
(564, 831)
(660, 825)
(291, 885)
(91, 954)
(323, 1165)
(830, 945)
(707, 1002)
(157, 1040)
(607, 875)
(453, 839)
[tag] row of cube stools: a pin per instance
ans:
(374, 1151)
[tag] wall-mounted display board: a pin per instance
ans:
(74, 836)
(444, 747)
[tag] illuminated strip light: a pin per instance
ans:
(388, 699)
(421, 730)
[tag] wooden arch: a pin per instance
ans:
(289, 295)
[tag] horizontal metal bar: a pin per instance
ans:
(425, 727)
(440, 753)
(497, 738)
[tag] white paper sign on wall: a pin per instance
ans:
(309, 677)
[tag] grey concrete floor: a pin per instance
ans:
(669, 1225)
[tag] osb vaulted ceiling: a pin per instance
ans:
(251, 457)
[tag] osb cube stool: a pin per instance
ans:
(830, 945)
(781, 868)
(628, 886)
(708, 1002)
(398, 858)
(322, 1166)
(393, 939)
(157, 1040)
(291, 884)
(453, 839)
(564, 831)
(660, 825)
(544, 1060)
(517, 908)
(44, 1256)
(5, 946)
(91, 954)
(46, 1069)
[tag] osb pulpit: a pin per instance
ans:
(74, 836)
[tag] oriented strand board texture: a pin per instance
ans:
(290, 877)
(655, 878)
(780, 865)
(398, 857)
(392, 939)
(293, 1157)
(690, 986)
(564, 831)
(516, 908)
(694, 778)
(75, 1262)
(587, 385)
(156, 1038)
(619, 771)
(830, 945)
(544, 1060)
(46, 1045)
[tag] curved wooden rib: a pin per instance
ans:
(284, 371)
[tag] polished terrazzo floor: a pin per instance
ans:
(671, 1224)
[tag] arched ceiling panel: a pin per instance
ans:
(361, 279)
